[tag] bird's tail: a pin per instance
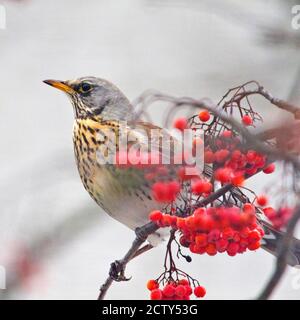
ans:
(270, 243)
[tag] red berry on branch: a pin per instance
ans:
(270, 213)
(209, 156)
(211, 249)
(199, 292)
(155, 216)
(201, 239)
(254, 246)
(201, 186)
(227, 134)
(180, 291)
(184, 241)
(221, 245)
(165, 191)
(269, 169)
(223, 175)
(181, 124)
(156, 294)
(221, 155)
(168, 290)
(188, 289)
(248, 207)
(232, 249)
(262, 200)
(247, 120)
(213, 235)
(152, 284)
(183, 282)
(238, 179)
(254, 236)
(204, 115)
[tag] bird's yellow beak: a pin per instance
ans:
(61, 85)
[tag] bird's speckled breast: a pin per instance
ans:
(121, 193)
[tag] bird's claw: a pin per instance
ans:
(117, 271)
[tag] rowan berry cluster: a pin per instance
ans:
(215, 230)
(232, 162)
(279, 218)
(174, 290)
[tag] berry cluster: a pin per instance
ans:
(232, 162)
(215, 230)
(174, 290)
(279, 218)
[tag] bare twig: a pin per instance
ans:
(281, 261)
(117, 268)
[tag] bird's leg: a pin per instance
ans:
(117, 268)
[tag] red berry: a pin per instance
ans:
(211, 249)
(254, 245)
(180, 124)
(155, 216)
(199, 292)
(248, 207)
(214, 235)
(270, 212)
(183, 282)
(254, 236)
(201, 239)
(180, 291)
(188, 289)
(228, 233)
(167, 220)
(201, 186)
(269, 169)
(184, 241)
(247, 120)
(251, 155)
(221, 245)
(204, 115)
(199, 212)
(156, 294)
(227, 134)
(165, 191)
(221, 155)
(152, 284)
(209, 156)
(232, 249)
(238, 179)
(262, 200)
(181, 223)
(223, 175)
(169, 290)
(244, 233)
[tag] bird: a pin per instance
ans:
(102, 113)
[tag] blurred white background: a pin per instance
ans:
(180, 47)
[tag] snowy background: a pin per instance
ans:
(63, 242)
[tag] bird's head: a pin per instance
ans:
(91, 96)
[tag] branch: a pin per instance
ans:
(281, 262)
(117, 269)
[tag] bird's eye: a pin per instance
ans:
(85, 87)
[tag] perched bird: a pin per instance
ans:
(100, 109)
